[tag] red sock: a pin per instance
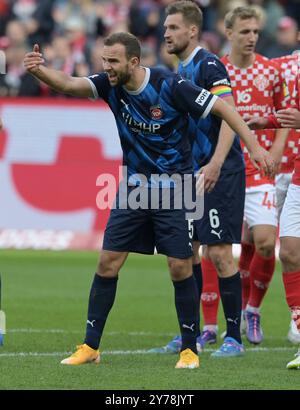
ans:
(291, 283)
(210, 292)
(261, 272)
(247, 252)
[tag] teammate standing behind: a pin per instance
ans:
(258, 90)
(221, 162)
(151, 109)
(289, 67)
(289, 231)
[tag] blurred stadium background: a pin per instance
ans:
(52, 150)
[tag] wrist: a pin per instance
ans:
(217, 161)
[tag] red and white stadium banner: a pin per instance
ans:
(51, 153)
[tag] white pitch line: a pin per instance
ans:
(136, 352)
(29, 330)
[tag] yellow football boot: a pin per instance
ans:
(294, 364)
(84, 354)
(188, 360)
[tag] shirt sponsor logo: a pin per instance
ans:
(244, 96)
(202, 97)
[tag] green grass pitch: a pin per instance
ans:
(45, 298)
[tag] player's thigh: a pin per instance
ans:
(247, 235)
(260, 206)
(196, 251)
(223, 211)
(282, 184)
(290, 216)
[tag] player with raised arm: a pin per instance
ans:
(217, 155)
(151, 109)
(258, 89)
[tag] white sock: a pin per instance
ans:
(211, 328)
(252, 309)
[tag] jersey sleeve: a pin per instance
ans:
(192, 99)
(215, 77)
(100, 85)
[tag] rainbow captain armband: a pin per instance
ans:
(221, 91)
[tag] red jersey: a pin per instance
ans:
(258, 90)
(296, 174)
(289, 69)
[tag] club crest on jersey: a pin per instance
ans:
(261, 82)
(156, 112)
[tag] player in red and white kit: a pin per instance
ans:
(289, 68)
(289, 231)
(258, 90)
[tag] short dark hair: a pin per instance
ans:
(190, 11)
(243, 13)
(129, 41)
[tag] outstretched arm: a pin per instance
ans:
(57, 80)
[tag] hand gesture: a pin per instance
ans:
(33, 60)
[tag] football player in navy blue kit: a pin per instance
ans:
(218, 156)
(152, 108)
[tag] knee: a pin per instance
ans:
(285, 255)
(108, 266)
(289, 258)
(180, 269)
(265, 247)
(222, 258)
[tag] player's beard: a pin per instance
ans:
(178, 49)
(123, 78)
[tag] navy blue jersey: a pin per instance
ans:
(205, 70)
(153, 121)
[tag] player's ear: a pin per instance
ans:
(135, 61)
(228, 32)
(194, 31)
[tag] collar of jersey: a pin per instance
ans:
(144, 83)
(191, 56)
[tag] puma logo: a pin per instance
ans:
(235, 321)
(189, 327)
(217, 233)
(126, 105)
(91, 322)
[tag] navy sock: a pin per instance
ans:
(102, 296)
(231, 296)
(187, 303)
(197, 272)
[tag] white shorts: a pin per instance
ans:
(282, 184)
(260, 206)
(290, 215)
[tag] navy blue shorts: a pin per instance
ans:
(222, 220)
(143, 230)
